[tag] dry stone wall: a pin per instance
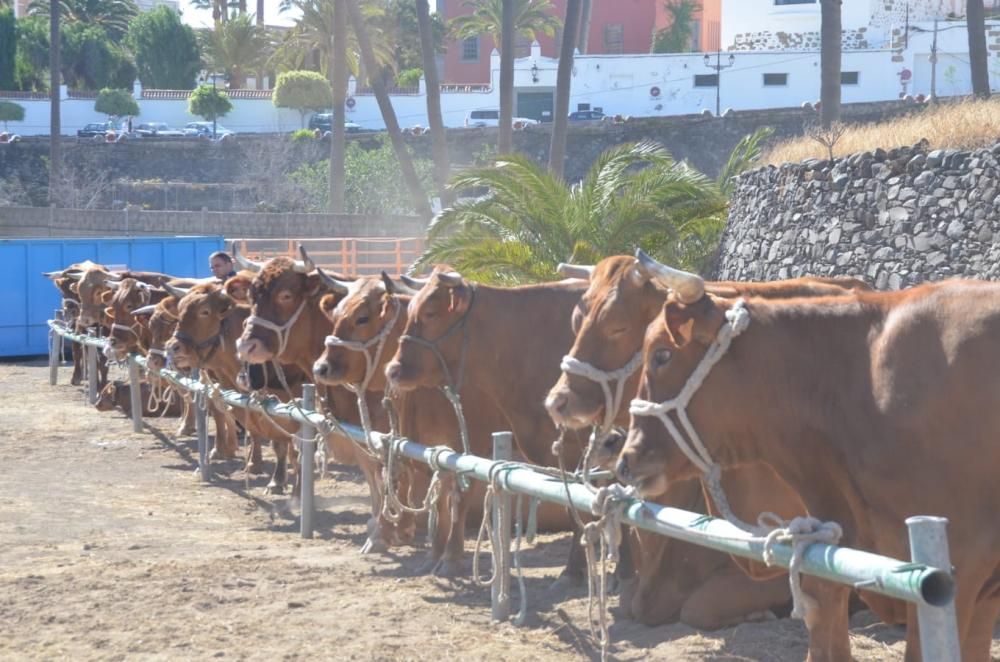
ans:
(894, 218)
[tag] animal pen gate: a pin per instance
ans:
(349, 256)
(926, 581)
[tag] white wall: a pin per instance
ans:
(742, 16)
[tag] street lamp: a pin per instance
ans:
(718, 67)
(934, 50)
(534, 73)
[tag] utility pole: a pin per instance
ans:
(55, 123)
(934, 63)
(718, 67)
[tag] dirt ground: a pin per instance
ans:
(111, 549)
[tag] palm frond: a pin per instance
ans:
(743, 157)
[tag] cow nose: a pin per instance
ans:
(622, 470)
(556, 404)
(321, 370)
(393, 371)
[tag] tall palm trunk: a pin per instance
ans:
(584, 41)
(55, 121)
(439, 142)
(975, 21)
(338, 74)
(830, 47)
(506, 142)
(388, 114)
(260, 12)
(564, 77)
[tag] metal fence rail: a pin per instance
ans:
(930, 588)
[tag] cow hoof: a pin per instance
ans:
(185, 431)
(374, 546)
(255, 469)
(428, 566)
(449, 568)
(275, 489)
(567, 581)
(215, 454)
(75, 381)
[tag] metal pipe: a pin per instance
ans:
(918, 583)
(53, 357)
(201, 426)
(938, 625)
(307, 453)
(500, 590)
(91, 352)
(135, 394)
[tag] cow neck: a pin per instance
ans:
(318, 326)
(207, 351)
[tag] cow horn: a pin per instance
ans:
(145, 310)
(113, 284)
(450, 278)
(53, 275)
(75, 275)
(390, 287)
(338, 286)
(305, 265)
(583, 271)
(109, 277)
(398, 287)
(689, 287)
(245, 263)
(174, 291)
(413, 283)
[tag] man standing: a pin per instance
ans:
(221, 264)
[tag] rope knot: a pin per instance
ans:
(738, 317)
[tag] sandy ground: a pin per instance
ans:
(110, 549)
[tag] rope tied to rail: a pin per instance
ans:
(601, 540)
(494, 485)
(800, 532)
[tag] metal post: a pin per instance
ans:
(934, 64)
(135, 393)
(201, 426)
(500, 591)
(53, 357)
(91, 353)
(307, 453)
(938, 625)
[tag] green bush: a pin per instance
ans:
(209, 103)
(409, 78)
(304, 91)
(116, 103)
(302, 135)
(11, 112)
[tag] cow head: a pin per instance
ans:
(128, 332)
(108, 398)
(610, 322)
(362, 316)
(199, 334)
(279, 294)
(675, 345)
(434, 332)
(162, 324)
(93, 287)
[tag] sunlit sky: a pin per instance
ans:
(202, 18)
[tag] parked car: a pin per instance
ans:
(324, 122)
(586, 116)
(204, 130)
(94, 129)
(157, 129)
(491, 117)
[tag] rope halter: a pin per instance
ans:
(280, 330)
(604, 378)
(800, 532)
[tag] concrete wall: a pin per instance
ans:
(45, 222)
(894, 218)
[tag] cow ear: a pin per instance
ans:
(144, 295)
(459, 299)
(328, 303)
(238, 287)
(226, 303)
(170, 306)
(75, 288)
(679, 321)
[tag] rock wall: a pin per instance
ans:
(894, 218)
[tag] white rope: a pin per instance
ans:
(280, 330)
(770, 529)
(612, 399)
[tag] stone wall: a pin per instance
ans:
(766, 40)
(894, 218)
(56, 222)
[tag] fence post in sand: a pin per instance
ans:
(500, 591)
(307, 455)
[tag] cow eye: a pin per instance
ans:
(660, 358)
(128, 308)
(203, 312)
(618, 331)
(361, 321)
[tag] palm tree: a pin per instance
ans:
(55, 115)
(439, 142)
(388, 114)
(112, 16)
(338, 80)
(557, 149)
(530, 221)
(236, 47)
(220, 9)
(975, 21)
(830, 48)
(505, 138)
(583, 43)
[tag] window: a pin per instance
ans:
(848, 77)
(775, 80)
(614, 38)
(778, 3)
(695, 36)
(522, 46)
(470, 49)
(706, 80)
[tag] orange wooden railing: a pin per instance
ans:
(350, 256)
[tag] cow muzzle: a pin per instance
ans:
(328, 372)
(399, 377)
(253, 350)
(567, 409)
(648, 478)
(177, 355)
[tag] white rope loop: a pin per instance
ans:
(612, 399)
(281, 330)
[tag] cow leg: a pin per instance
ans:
(279, 477)
(729, 597)
(458, 504)
(187, 426)
(827, 620)
(225, 437)
(254, 457)
(376, 524)
(575, 571)
(625, 568)
(77, 377)
(102, 370)
(445, 526)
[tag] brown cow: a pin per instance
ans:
(473, 338)
(64, 281)
(287, 324)
(873, 407)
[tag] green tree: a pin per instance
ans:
(209, 103)
(564, 76)
(744, 156)
(236, 47)
(91, 61)
(530, 221)
(531, 18)
(31, 67)
(11, 112)
(167, 54)
(111, 16)
(676, 37)
(304, 91)
(401, 30)
(8, 49)
(116, 103)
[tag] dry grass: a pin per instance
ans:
(960, 125)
